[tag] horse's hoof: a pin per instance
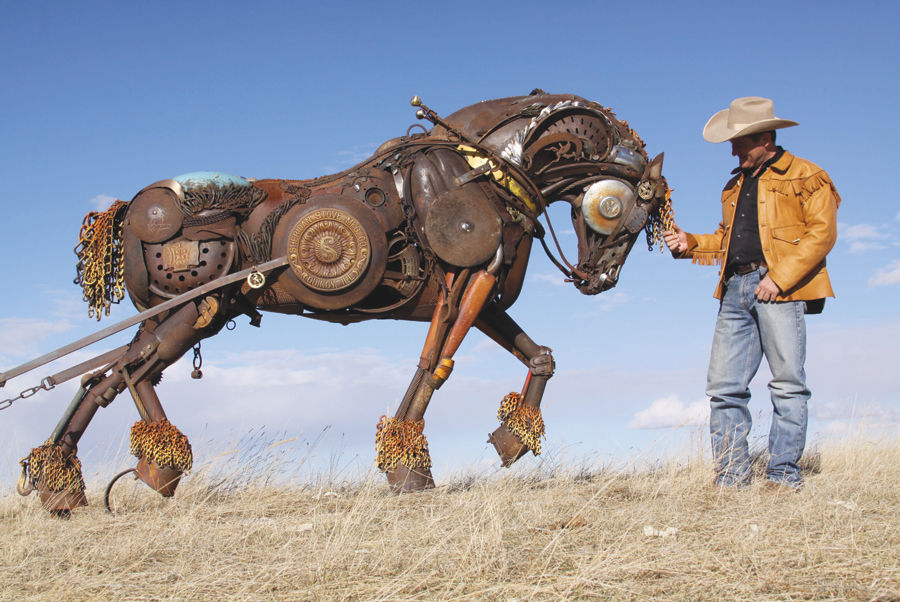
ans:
(508, 445)
(406, 480)
(60, 503)
(163, 480)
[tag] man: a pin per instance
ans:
(778, 224)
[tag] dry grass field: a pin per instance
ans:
(566, 533)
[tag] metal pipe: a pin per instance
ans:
(67, 415)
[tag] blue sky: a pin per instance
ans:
(100, 99)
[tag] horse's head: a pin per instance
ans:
(565, 148)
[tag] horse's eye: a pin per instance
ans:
(604, 203)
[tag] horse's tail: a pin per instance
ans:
(101, 261)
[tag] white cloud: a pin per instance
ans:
(556, 279)
(886, 276)
(22, 336)
(101, 202)
(860, 232)
(357, 153)
(897, 217)
(606, 302)
(861, 247)
(863, 237)
(844, 412)
(670, 412)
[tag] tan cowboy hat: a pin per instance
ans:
(748, 115)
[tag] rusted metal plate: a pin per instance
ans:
(154, 215)
(463, 228)
(181, 266)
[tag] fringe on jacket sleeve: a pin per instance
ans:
(707, 257)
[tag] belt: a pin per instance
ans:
(745, 268)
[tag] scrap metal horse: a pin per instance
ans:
(436, 226)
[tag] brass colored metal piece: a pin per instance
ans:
(181, 255)
(208, 309)
(329, 250)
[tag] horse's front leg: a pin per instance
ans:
(522, 425)
(400, 441)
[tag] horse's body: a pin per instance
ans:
(436, 226)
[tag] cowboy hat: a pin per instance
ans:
(748, 115)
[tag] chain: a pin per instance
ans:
(101, 263)
(45, 385)
(49, 466)
(523, 421)
(401, 442)
(197, 362)
(161, 443)
(662, 221)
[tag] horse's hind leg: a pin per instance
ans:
(163, 451)
(521, 425)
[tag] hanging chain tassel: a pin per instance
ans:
(101, 259)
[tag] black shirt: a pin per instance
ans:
(745, 244)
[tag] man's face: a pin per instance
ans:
(750, 154)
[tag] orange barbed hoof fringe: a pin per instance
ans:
(50, 469)
(401, 442)
(522, 420)
(161, 443)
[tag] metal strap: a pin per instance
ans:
(111, 330)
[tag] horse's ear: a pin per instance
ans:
(656, 166)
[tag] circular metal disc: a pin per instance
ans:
(336, 249)
(463, 228)
(603, 204)
(154, 216)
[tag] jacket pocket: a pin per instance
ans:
(785, 239)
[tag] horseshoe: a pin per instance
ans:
(109, 489)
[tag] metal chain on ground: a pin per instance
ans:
(401, 442)
(101, 262)
(45, 386)
(49, 467)
(161, 443)
(523, 421)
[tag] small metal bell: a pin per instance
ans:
(197, 374)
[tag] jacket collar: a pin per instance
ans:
(782, 165)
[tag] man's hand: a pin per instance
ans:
(676, 241)
(767, 290)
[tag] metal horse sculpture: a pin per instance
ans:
(436, 226)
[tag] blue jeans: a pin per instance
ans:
(745, 330)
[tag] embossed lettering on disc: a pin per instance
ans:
(328, 250)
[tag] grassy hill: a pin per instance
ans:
(565, 534)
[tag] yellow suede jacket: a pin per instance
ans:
(797, 205)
